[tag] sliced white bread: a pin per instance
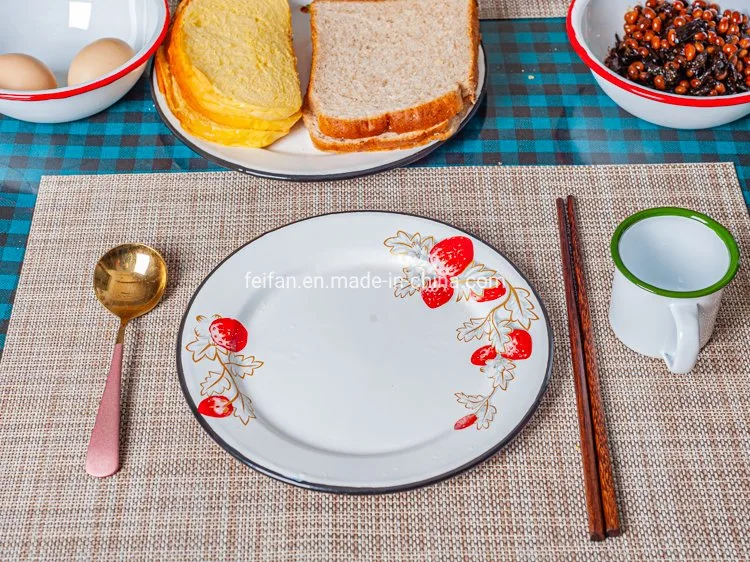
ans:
(391, 66)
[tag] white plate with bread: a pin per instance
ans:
(391, 81)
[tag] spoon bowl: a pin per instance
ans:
(129, 281)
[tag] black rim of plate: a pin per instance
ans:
(355, 490)
(323, 177)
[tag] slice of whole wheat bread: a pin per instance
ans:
(391, 66)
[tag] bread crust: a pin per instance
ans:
(403, 141)
(471, 95)
(413, 119)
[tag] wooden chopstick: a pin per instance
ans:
(588, 448)
(604, 462)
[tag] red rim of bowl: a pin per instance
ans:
(61, 93)
(673, 99)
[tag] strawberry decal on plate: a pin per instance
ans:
(519, 346)
(229, 334)
(437, 292)
(215, 407)
(491, 294)
(482, 355)
(218, 342)
(451, 256)
(466, 421)
(442, 270)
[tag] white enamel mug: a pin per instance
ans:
(672, 265)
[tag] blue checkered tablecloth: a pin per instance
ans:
(542, 108)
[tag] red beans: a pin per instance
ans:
(635, 69)
(689, 47)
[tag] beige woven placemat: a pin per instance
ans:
(681, 444)
(502, 9)
(511, 9)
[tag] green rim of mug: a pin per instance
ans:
(721, 232)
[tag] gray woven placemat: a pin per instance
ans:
(680, 444)
(503, 9)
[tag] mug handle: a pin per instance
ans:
(683, 359)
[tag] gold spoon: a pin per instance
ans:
(129, 281)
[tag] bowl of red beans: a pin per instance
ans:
(683, 64)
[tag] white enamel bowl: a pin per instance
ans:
(592, 25)
(54, 31)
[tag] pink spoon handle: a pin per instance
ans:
(103, 456)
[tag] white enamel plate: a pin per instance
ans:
(294, 157)
(364, 352)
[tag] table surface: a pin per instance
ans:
(542, 108)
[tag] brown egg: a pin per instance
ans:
(23, 72)
(97, 59)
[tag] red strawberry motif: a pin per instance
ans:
(451, 256)
(482, 355)
(215, 407)
(229, 334)
(519, 346)
(491, 294)
(466, 421)
(437, 292)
